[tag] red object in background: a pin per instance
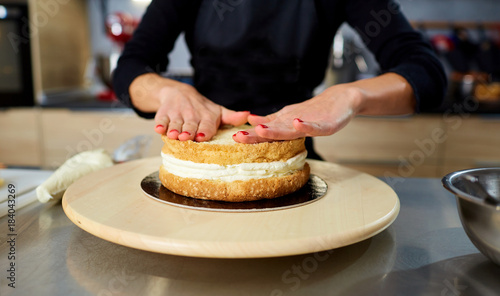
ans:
(496, 36)
(120, 26)
(107, 95)
(442, 43)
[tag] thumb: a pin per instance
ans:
(233, 117)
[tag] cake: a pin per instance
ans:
(222, 169)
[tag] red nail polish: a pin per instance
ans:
(200, 135)
(174, 130)
(253, 115)
(188, 133)
(243, 132)
(299, 120)
(263, 126)
(234, 135)
(159, 125)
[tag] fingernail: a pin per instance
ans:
(263, 126)
(188, 133)
(299, 120)
(234, 135)
(174, 130)
(200, 135)
(253, 115)
(159, 125)
(244, 133)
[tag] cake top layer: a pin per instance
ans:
(225, 134)
(223, 150)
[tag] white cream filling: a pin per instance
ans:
(233, 172)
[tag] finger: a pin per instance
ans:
(278, 132)
(313, 129)
(160, 129)
(161, 120)
(189, 129)
(185, 135)
(233, 117)
(174, 128)
(249, 137)
(206, 130)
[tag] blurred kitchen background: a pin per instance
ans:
(61, 72)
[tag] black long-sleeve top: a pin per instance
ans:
(261, 55)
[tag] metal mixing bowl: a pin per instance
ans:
(480, 217)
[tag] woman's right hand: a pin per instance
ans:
(181, 111)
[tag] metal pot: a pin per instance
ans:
(479, 213)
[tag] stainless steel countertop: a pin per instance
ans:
(425, 252)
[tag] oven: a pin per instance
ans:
(16, 79)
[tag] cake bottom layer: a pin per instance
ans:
(235, 191)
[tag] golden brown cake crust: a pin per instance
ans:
(235, 191)
(200, 152)
(231, 152)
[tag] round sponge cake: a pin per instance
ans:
(222, 169)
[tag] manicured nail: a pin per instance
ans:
(244, 133)
(174, 130)
(263, 126)
(188, 133)
(200, 135)
(234, 135)
(299, 120)
(159, 125)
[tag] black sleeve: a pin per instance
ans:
(399, 49)
(148, 49)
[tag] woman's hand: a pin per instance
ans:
(181, 111)
(330, 111)
(322, 115)
(185, 114)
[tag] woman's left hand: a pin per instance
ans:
(330, 111)
(322, 115)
